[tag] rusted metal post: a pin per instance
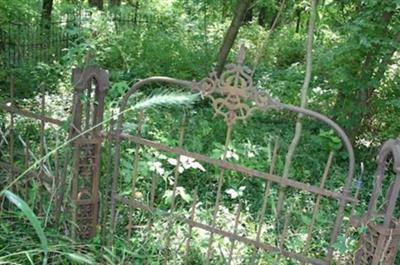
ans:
(379, 245)
(90, 84)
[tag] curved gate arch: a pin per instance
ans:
(379, 245)
(234, 97)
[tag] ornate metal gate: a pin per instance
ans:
(90, 85)
(235, 98)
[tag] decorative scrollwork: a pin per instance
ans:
(233, 94)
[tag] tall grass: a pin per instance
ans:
(163, 99)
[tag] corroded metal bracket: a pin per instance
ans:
(379, 245)
(90, 85)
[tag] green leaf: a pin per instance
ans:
(185, 196)
(80, 258)
(27, 211)
(168, 196)
(341, 244)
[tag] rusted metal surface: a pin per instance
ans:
(233, 94)
(220, 183)
(90, 85)
(195, 224)
(135, 173)
(189, 238)
(380, 244)
(182, 132)
(265, 201)
(234, 98)
(29, 153)
(28, 114)
(317, 203)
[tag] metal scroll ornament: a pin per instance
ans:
(233, 94)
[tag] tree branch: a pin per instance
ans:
(303, 102)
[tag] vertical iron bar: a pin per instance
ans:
(354, 204)
(114, 185)
(237, 218)
(178, 164)
(76, 153)
(192, 215)
(135, 174)
(317, 203)
(63, 177)
(152, 198)
(283, 237)
(382, 240)
(265, 200)
(338, 221)
(106, 193)
(218, 198)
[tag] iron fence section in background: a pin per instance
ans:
(29, 44)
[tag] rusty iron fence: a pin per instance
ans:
(29, 44)
(37, 42)
(25, 137)
(234, 98)
(380, 244)
(140, 211)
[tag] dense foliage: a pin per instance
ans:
(355, 81)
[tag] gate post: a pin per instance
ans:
(379, 245)
(90, 85)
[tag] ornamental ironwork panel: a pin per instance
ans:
(379, 245)
(90, 85)
(233, 94)
(234, 97)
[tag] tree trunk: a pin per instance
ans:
(230, 36)
(373, 69)
(96, 3)
(303, 103)
(366, 94)
(298, 20)
(47, 8)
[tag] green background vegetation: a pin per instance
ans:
(355, 82)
